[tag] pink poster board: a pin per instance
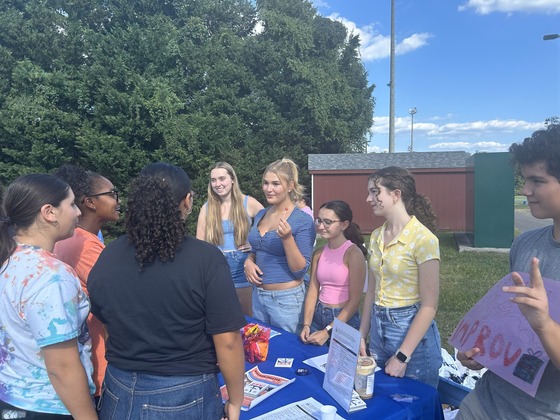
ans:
(508, 345)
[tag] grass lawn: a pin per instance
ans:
(464, 278)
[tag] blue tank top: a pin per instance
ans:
(229, 231)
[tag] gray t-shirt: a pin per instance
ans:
(499, 398)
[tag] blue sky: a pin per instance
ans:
(478, 71)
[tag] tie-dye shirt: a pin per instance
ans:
(41, 303)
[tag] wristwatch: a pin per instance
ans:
(402, 357)
(328, 328)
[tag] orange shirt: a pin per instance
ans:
(81, 252)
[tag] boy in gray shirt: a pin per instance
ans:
(493, 397)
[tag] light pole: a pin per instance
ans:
(412, 111)
(392, 83)
(550, 36)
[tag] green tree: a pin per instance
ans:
(115, 84)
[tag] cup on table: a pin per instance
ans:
(328, 412)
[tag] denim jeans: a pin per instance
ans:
(236, 259)
(129, 395)
(281, 308)
(324, 315)
(389, 327)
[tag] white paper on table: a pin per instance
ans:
(306, 409)
(318, 362)
(342, 359)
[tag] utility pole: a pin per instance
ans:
(392, 83)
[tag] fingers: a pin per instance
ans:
(466, 358)
(517, 279)
(472, 352)
(536, 277)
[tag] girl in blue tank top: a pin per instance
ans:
(225, 220)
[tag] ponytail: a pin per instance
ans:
(354, 234)
(421, 207)
(398, 178)
(7, 243)
(23, 201)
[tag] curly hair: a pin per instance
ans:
(154, 223)
(542, 146)
(82, 182)
(397, 178)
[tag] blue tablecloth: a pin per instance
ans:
(381, 406)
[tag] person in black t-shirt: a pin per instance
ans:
(170, 310)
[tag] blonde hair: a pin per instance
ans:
(287, 170)
(237, 213)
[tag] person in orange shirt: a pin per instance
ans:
(98, 200)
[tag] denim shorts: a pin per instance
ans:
(129, 395)
(280, 308)
(389, 327)
(236, 259)
(324, 316)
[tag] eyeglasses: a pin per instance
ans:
(114, 192)
(326, 222)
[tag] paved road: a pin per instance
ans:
(523, 220)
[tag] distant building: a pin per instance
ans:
(446, 178)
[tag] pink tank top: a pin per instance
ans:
(333, 275)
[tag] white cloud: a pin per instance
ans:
(490, 136)
(486, 146)
(375, 46)
(376, 149)
(485, 7)
(412, 43)
(321, 4)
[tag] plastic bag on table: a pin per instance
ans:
(255, 342)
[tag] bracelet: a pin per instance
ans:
(307, 325)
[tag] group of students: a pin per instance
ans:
(271, 249)
(165, 314)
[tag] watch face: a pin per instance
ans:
(401, 356)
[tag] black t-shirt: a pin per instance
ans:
(161, 320)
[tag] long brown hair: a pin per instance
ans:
(237, 213)
(397, 178)
(23, 201)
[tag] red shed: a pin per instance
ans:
(446, 178)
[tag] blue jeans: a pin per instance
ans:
(129, 395)
(324, 315)
(280, 308)
(389, 327)
(236, 259)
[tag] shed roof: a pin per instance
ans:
(409, 160)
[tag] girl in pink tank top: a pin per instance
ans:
(338, 271)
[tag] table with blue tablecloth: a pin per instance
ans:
(426, 405)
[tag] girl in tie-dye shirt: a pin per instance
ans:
(45, 364)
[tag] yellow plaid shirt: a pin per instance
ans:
(395, 266)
